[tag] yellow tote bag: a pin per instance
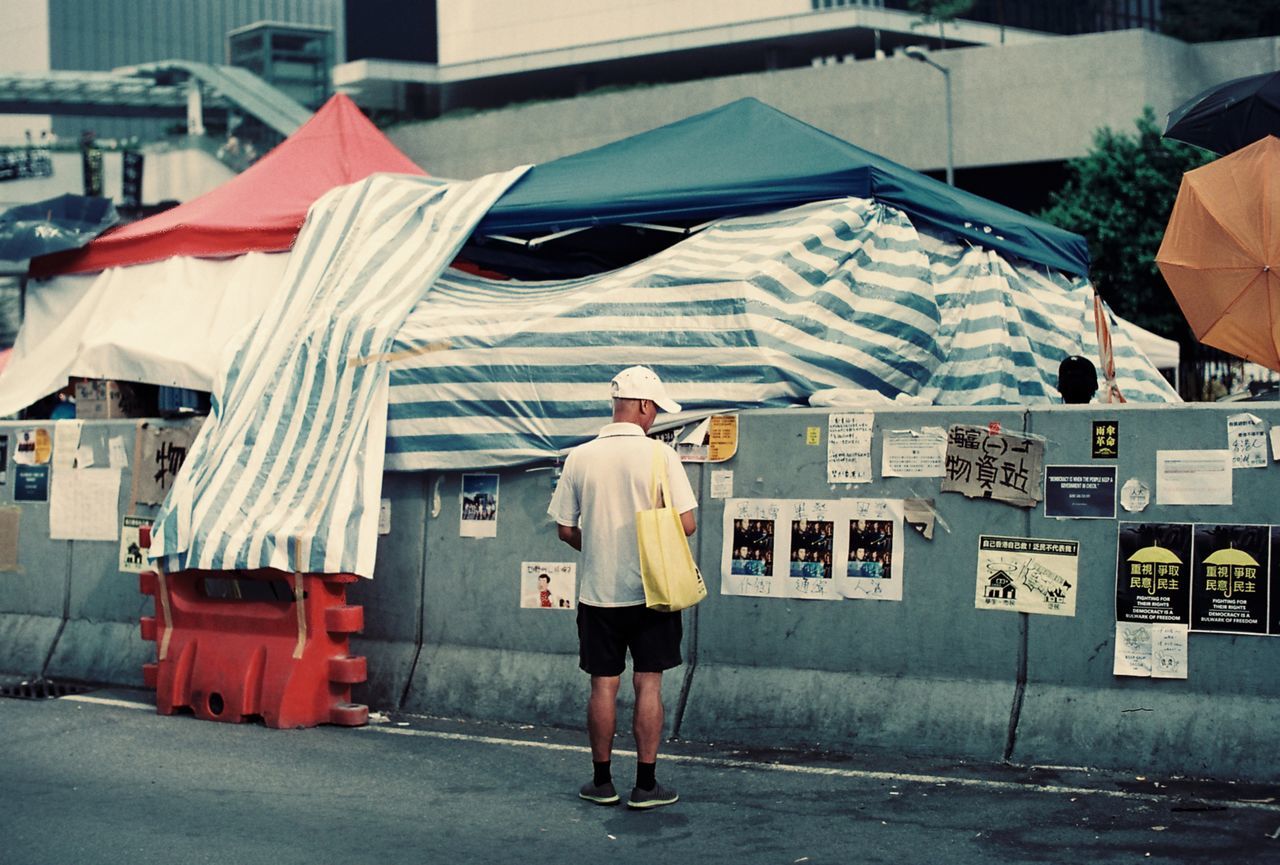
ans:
(671, 580)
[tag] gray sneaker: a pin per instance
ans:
(655, 798)
(603, 794)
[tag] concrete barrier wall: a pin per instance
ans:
(445, 633)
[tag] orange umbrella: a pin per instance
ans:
(1221, 252)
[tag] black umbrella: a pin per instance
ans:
(66, 222)
(1230, 115)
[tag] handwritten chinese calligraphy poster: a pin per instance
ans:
(1027, 575)
(869, 547)
(1229, 578)
(1153, 573)
(750, 533)
(809, 529)
(1007, 467)
(823, 549)
(781, 548)
(163, 451)
(849, 448)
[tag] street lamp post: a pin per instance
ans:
(916, 52)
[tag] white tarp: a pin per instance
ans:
(1163, 353)
(167, 322)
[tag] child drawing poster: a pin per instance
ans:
(548, 585)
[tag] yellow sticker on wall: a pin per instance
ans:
(813, 435)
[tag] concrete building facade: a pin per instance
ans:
(1020, 110)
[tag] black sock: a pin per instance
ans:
(645, 775)
(602, 774)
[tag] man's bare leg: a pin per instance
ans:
(602, 716)
(647, 723)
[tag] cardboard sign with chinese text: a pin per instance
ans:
(1006, 467)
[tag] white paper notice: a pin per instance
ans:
(118, 457)
(1193, 477)
(84, 504)
(849, 448)
(1275, 443)
(384, 517)
(722, 483)
(84, 457)
(1247, 440)
(66, 441)
(1133, 649)
(1135, 496)
(1158, 651)
(906, 453)
(1169, 651)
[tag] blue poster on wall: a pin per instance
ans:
(30, 483)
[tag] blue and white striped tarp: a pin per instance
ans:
(759, 311)
(287, 471)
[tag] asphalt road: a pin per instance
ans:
(102, 779)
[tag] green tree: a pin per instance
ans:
(1119, 197)
(940, 12)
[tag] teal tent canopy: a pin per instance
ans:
(747, 157)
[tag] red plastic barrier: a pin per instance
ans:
(285, 659)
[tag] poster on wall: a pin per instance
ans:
(1106, 440)
(750, 530)
(1247, 441)
(808, 530)
(1080, 492)
(1145, 649)
(909, 453)
(869, 542)
(801, 548)
(1193, 477)
(479, 505)
(548, 585)
(162, 451)
(1229, 578)
(983, 463)
(849, 448)
(133, 555)
(1153, 573)
(34, 447)
(1027, 575)
(712, 440)
(30, 483)
(1274, 574)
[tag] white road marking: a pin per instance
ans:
(831, 772)
(108, 701)
(728, 763)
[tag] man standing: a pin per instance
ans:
(605, 481)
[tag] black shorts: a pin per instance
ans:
(605, 634)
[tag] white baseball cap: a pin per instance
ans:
(640, 382)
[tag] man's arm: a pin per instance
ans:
(688, 520)
(572, 535)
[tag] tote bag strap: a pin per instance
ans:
(658, 479)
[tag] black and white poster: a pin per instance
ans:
(1080, 492)
(1230, 578)
(1153, 573)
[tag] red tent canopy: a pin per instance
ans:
(260, 210)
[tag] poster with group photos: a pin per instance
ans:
(825, 549)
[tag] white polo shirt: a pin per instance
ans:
(605, 481)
